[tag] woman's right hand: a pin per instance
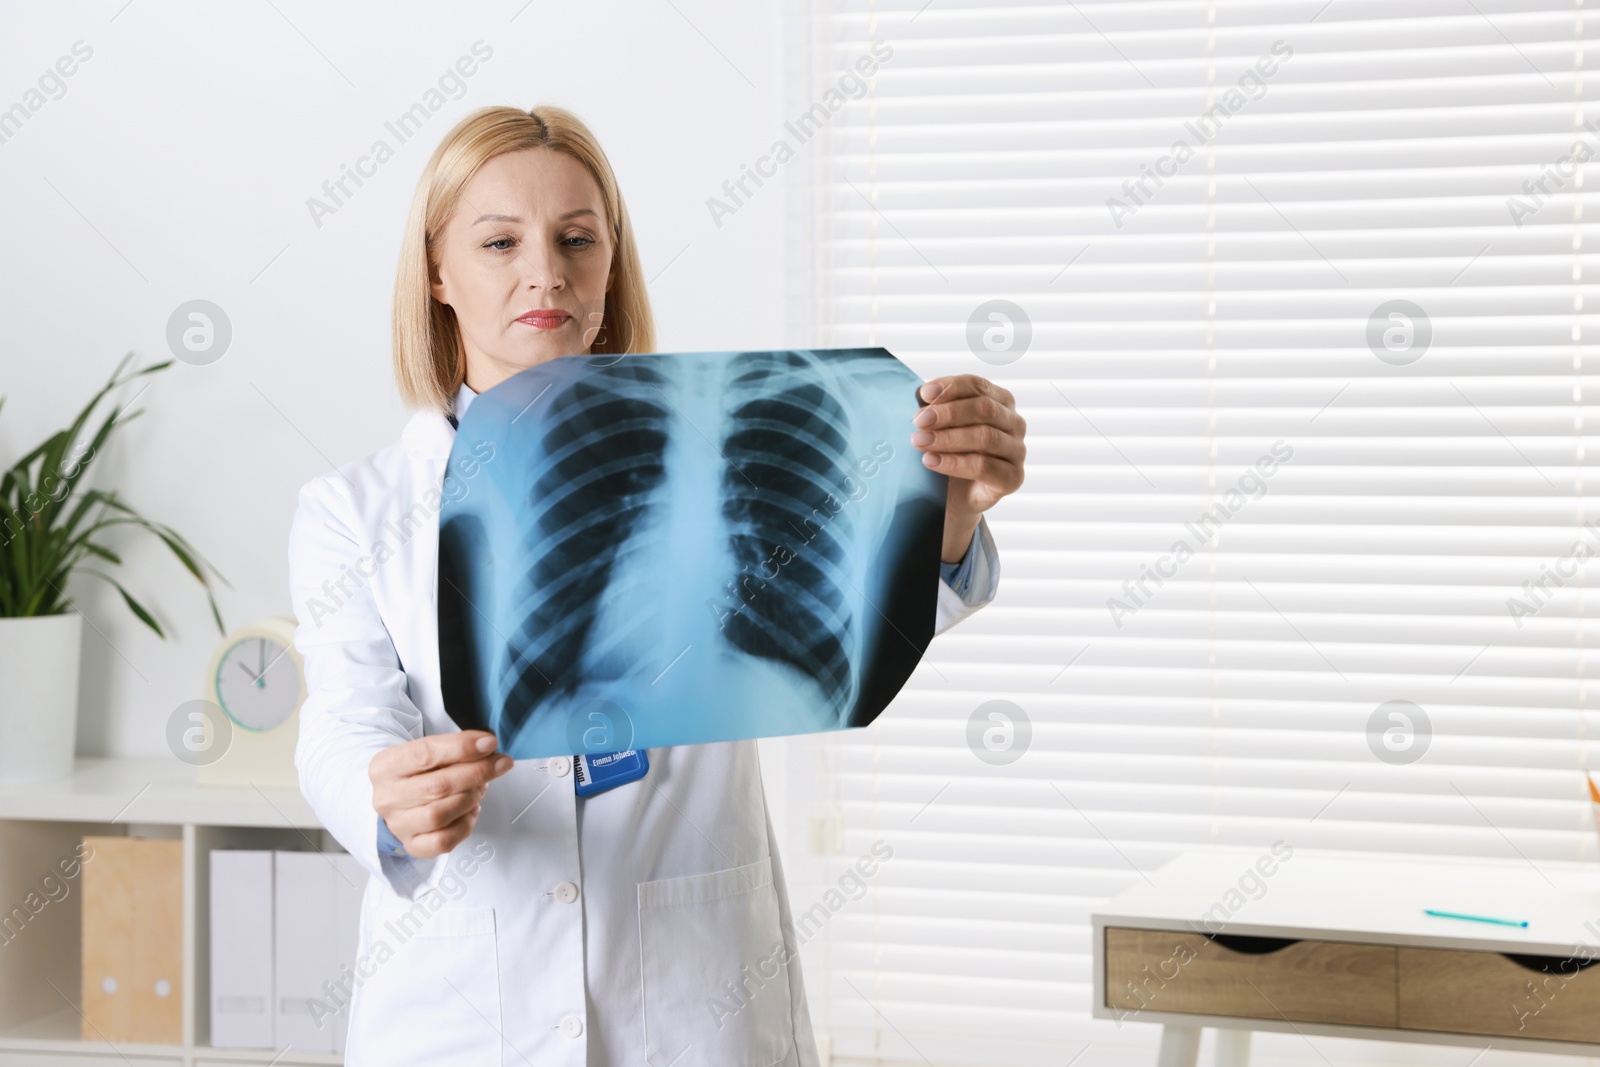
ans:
(428, 790)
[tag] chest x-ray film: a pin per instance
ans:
(667, 549)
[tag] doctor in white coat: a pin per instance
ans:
(506, 920)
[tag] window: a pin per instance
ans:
(1303, 550)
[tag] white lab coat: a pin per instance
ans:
(646, 925)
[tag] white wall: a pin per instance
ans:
(177, 164)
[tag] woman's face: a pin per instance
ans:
(529, 236)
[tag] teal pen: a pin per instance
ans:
(1475, 918)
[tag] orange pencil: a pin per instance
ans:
(1594, 798)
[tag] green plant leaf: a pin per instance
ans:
(101, 551)
(127, 598)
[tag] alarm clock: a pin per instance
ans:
(258, 681)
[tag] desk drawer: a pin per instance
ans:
(1547, 997)
(1250, 977)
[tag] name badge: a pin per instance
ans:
(597, 773)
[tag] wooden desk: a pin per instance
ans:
(1339, 945)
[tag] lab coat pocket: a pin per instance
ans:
(431, 988)
(715, 969)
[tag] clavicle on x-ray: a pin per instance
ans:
(666, 549)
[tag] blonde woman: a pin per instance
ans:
(508, 920)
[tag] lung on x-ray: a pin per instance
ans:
(667, 549)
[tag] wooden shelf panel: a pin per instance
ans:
(151, 790)
(57, 1032)
(203, 1056)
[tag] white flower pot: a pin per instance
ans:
(39, 657)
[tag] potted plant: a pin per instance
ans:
(51, 528)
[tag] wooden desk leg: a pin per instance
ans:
(1180, 1046)
(1233, 1047)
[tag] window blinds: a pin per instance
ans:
(1302, 554)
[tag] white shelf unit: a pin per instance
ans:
(40, 960)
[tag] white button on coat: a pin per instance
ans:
(461, 963)
(560, 766)
(566, 892)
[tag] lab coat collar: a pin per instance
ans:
(429, 434)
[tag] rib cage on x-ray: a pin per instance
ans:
(785, 452)
(692, 537)
(606, 449)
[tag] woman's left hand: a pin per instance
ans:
(970, 430)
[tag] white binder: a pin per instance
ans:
(303, 932)
(241, 949)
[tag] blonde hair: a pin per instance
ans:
(429, 360)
